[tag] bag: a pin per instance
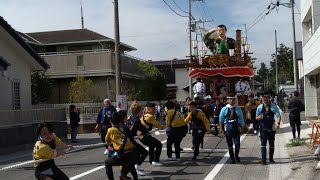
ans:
(169, 129)
(118, 154)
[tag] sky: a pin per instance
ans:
(151, 27)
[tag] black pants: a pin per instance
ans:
(141, 152)
(155, 147)
(57, 174)
(233, 139)
(127, 161)
(264, 137)
(175, 137)
(295, 122)
(197, 139)
(103, 133)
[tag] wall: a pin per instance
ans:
(181, 81)
(311, 57)
(18, 128)
(19, 70)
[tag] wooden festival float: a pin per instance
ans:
(224, 73)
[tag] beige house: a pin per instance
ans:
(17, 60)
(82, 52)
(176, 75)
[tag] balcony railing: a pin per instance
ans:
(87, 52)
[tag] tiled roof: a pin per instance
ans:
(72, 35)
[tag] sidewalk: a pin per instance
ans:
(293, 162)
(23, 155)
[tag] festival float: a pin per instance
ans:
(227, 71)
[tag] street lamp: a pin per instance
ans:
(247, 48)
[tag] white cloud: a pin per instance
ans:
(150, 26)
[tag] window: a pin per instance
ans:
(80, 60)
(169, 75)
(15, 94)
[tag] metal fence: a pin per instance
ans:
(88, 111)
(31, 116)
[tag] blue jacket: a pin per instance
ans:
(224, 118)
(273, 108)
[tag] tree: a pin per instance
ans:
(40, 87)
(81, 90)
(285, 66)
(152, 87)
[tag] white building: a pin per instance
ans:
(17, 60)
(176, 75)
(311, 56)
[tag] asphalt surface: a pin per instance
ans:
(85, 160)
(212, 163)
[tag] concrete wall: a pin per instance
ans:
(311, 56)
(18, 128)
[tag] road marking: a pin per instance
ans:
(98, 168)
(86, 173)
(220, 164)
(201, 150)
(16, 165)
(157, 133)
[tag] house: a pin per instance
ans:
(176, 75)
(82, 52)
(311, 57)
(17, 60)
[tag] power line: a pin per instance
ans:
(173, 9)
(209, 12)
(179, 7)
(200, 11)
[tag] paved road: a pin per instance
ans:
(83, 161)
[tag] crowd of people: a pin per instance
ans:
(125, 137)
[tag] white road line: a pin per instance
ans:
(86, 173)
(16, 165)
(98, 168)
(220, 164)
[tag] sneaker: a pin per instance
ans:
(255, 131)
(194, 158)
(181, 149)
(124, 178)
(237, 158)
(178, 159)
(272, 161)
(170, 159)
(156, 163)
(106, 152)
(232, 161)
(263, 162)
(138, 167)
(140, 173)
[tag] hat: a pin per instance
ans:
(266, 94)
(149, 104)
(231, 96)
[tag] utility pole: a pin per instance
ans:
(116, 48)
(295, 64)
(190, 51)
(82, 22)
(276, 59)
